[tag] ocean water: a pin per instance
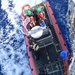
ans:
(13, 54)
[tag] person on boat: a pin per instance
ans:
(33, 44)
(31, 24)
(31, 15)
(40, 13)
(42, 18)
(42, 23)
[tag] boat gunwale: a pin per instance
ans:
(61, 40)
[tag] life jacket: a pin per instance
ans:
(34, 46)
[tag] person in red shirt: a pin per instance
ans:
(40, 13)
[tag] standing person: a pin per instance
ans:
(40, 13)
(32, 19)
(41, 17)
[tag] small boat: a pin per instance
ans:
(47, 51)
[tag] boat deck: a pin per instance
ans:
(47, 58)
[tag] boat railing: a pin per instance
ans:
(45, 45)
(58, 47)
(44, 41)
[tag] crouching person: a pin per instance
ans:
(33, 44)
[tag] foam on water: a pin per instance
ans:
(13, 54)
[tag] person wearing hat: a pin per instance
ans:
(33, 44)
(40, 13)
(42, 18)
(31, 24)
